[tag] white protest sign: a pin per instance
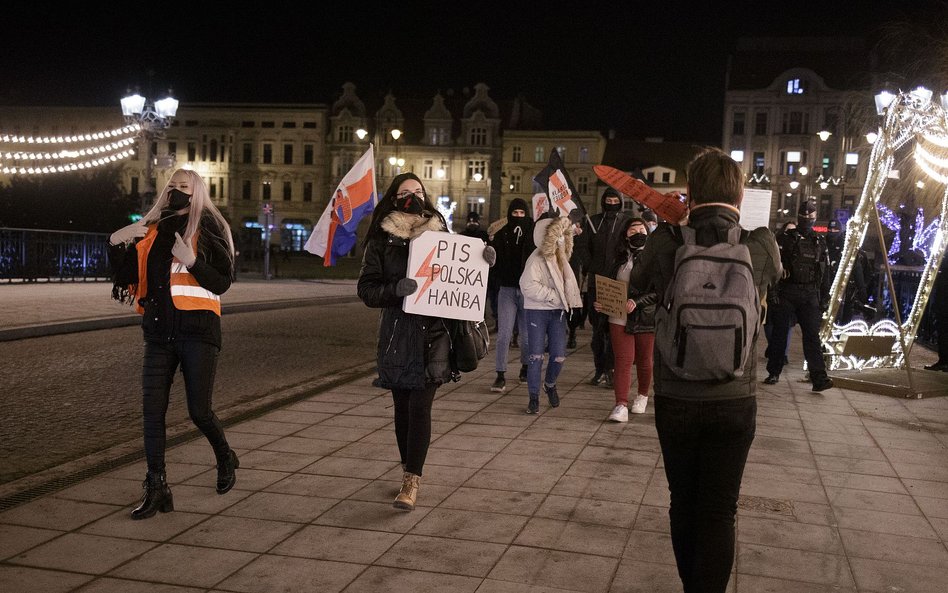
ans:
(755, 208)
(452, 276)
(541, 204)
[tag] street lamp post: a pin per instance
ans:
(153, 118)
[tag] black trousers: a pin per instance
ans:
(413, 425)
(704, 448)
(198, 362)
(805, 307)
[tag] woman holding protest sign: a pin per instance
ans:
(414, 351)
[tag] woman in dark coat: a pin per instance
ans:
(413, 350)
(633, 338)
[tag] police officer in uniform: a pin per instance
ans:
(804, 292)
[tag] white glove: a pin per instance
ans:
(182, 251)
(129, 233)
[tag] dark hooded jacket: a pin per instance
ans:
(413, 350)
(602, 243)
(642, 319)
(514, 244)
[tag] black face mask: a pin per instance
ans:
(611, 207)
(804, 224)
(177, 199)
(410, 205)
(519, 220)
(637, 241)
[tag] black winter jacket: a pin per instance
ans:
(213, 270)
(642, 319)
(413, 350)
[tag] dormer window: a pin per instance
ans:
(795, 86)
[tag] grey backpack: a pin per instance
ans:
(710, 315)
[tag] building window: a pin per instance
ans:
(584, 155)
(666, 177)
(758, 163)
(795, 86)
(309, 125)
(287, 191)
(213, 150)
(650, 177)
(475, 204)
(191, 123)
(737, 127)
(516, 153)
(539, 154)
(474, 167)
(428, 170)
(245, 191)
(221, 183)
(172, 148)
(343, 165)
(446, 167)
(192, 152)
(267, 124)
(826, 165)
(825, 210)
(308, 154)
(478, 136)
(246, 124)
(582, 184)
(760, 123)
(289, 124)
(344, 134)
(562, 151)
(515, 183)
(247, 153)
(307, 191)
(267, 154)
(266, 191)
(287, 154)
(212, 189)
(796, 122)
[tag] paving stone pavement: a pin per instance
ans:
(843, 491)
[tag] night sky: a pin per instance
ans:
(641, 68)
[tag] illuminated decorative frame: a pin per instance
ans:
(911, 116)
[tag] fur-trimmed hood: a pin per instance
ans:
(408, 226)
(548, 231)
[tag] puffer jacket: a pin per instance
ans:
(656, 267)
(413, 350)
(548, 281)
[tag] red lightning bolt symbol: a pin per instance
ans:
(424, 271)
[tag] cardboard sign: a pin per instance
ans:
(452, 276)
(612, 296)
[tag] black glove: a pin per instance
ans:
(405, 287)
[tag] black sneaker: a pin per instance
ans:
(499, 384)
(533, 407)
(606, 380)
(571, 343)
(771, 379)
(552, 395)
(596, 379)
(822, 384)
(523, 373)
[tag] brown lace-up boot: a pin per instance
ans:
(409, 492)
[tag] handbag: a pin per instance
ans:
(470, 344)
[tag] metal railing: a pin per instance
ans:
(36, 255)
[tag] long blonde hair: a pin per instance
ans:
(200, 203)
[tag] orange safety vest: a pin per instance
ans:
(186, 293)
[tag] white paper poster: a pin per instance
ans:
(755, 208)
(452, 276)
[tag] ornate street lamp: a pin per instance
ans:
(153, 118)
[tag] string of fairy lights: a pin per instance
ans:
(42, 155)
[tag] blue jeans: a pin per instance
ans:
(510, 308)
(545, 328)
(704, 448)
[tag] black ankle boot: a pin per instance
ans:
(157, 497)
(226, 476)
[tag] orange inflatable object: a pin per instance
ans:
(667, 207)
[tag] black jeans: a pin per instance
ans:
(805, 308)
(198, 361)
(413, 425)
(704, 448)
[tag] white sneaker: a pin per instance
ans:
(639, 403)
(619, 414)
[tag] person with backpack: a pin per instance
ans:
(705, 405)
(802, 293)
